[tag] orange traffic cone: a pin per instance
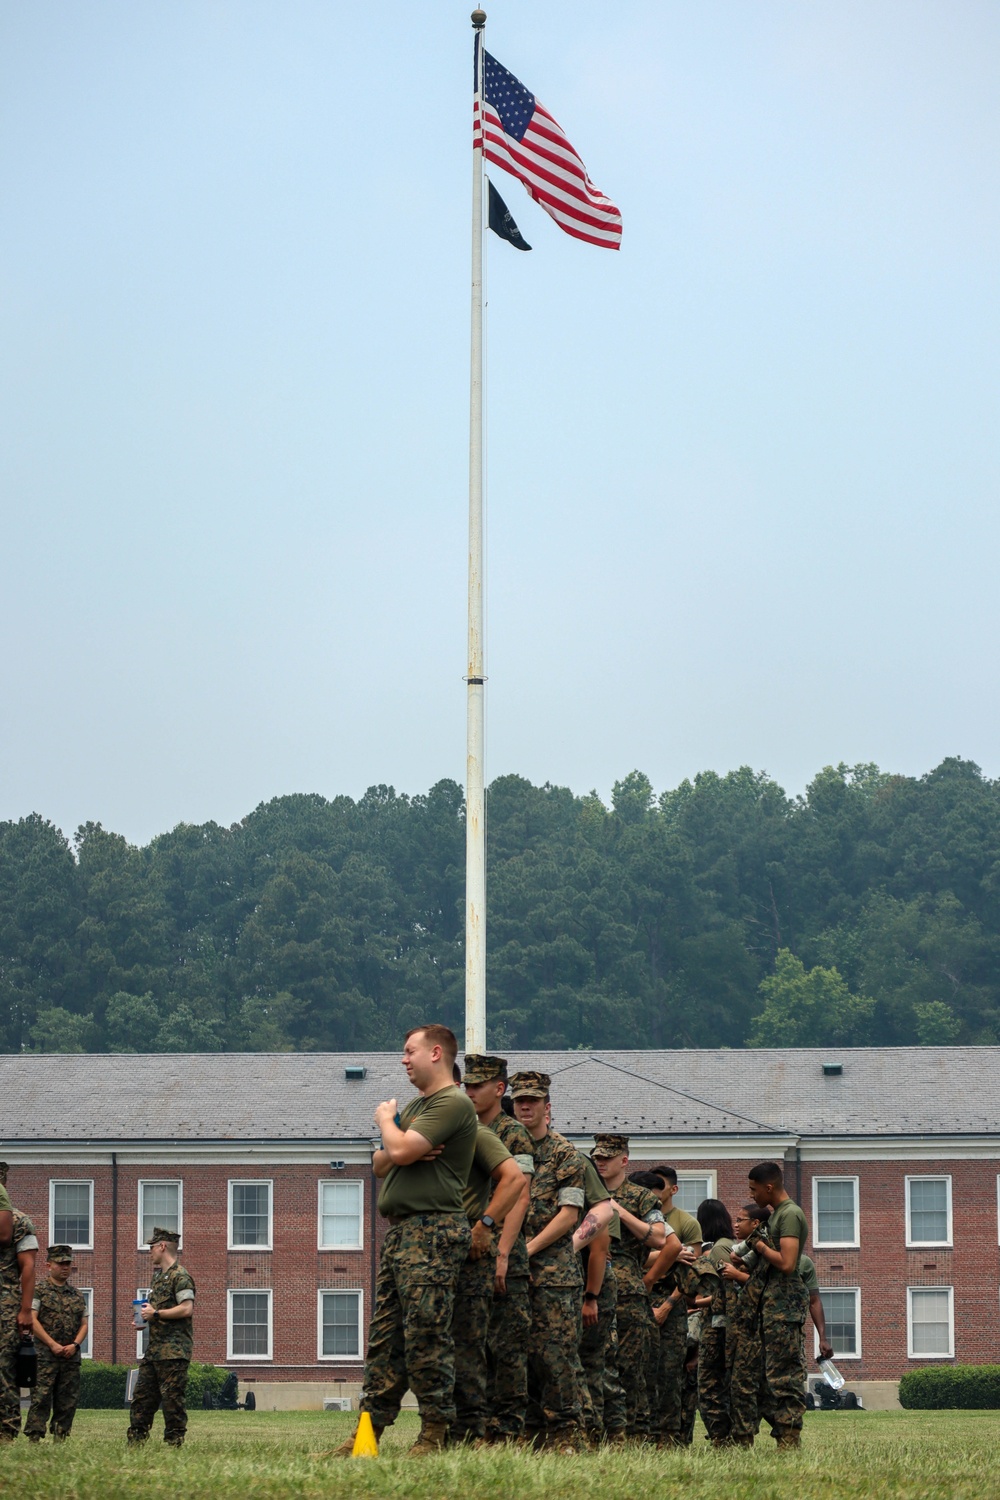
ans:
(365, 1442)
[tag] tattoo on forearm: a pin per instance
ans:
(587, 1229)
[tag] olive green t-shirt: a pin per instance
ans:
(685, 1226)
(489, 1153)
(720, 1251)
(445, 1118)
(6, 1206)
(788, 1221)
(808, 1273)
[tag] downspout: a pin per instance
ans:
(798, 1173)
(114, 1257)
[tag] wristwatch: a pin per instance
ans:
(590, 1296)
(488, 1220)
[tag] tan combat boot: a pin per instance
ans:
(788, 1437)
(433, 1439)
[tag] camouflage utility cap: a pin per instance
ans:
(59, 1255)
(610, 1145)
(481, 1069)
(169, 1235)
(530, 1085)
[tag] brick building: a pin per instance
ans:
(262, 1163)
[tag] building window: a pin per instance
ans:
(249, 1325)
(928, 1210)
(842, 1312)
(87, 1294)
(340, 1208)
(249, 1216)
(142, 1334)
(71, 1214)
(692, 1189)
(160, 1207)
(835, 1212)
(930, 1322)
(340, 1325)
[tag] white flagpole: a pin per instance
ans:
(475, 794)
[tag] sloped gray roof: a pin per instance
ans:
(883, 1091)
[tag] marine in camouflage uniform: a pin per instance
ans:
(783, 1308)
(163, 1369)
(596, 1338)
(61, 1313)
(669, 1350)
(748, 1395)
(509, 1328)
(410, 1341)
(555, 1374)
(23, 1241)
(713, 1350)
(634, 1316)
(474, 1292)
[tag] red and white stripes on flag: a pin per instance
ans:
(543, 159)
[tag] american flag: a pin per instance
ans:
(521, 136)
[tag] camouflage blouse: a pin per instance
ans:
(173, 1339)
(522, 1149)
(60, 1310)
(22, 1239)
(629, 1254)
(557, 1183)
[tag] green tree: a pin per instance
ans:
(809, 1008)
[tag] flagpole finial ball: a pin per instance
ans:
(479, 19)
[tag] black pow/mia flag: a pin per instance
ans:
(502, 221)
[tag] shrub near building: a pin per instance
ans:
(102, 1387)
(951, 1387)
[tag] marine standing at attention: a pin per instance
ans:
(60, 1327)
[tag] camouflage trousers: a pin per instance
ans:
(162, 1382)
(594, 1342)
(713, 1381)
(748, 1396)
(689, 1396)
(782, 1338)
(665, 1373)
(507, 1360)
(555, 1374)
(614, 1394)
(410, 1344)
(57, 1391)
(469, 1329)
(10, 1394)
(636, 1334)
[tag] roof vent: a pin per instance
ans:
(832, 1070)
(355, 1075)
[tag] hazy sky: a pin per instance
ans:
(742, 475)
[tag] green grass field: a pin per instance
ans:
(255, 1456)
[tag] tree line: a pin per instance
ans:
(721, 913)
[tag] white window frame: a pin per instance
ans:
(358, 1185)
(142, 1334)
(712, 1179)
(87, 1293)
(855, 1243)
(267, 1182)
(340, 1359)
(944, 1177)
(87, 1182)
(951, 1322)
(250, 1291)
(176, 1182)
(857, 1322)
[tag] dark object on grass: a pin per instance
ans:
(227, 1397)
